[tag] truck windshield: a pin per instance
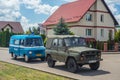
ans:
(30, 42)
(75, 41)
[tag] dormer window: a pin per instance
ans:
(88, 17)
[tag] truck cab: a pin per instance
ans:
(27, 46)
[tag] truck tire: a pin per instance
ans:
(14, 56)
(11, 54)
(72, 65)
(94, 66)
(26, 58)
(50, 61)
(42, 59)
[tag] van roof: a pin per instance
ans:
(24, 36)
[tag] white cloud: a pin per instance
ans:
(116, 11)
(26, 25)
(53, 9)
(9, 4)
(70, 0)
(38, 7)
(45, 9)
(112, 5)
(118, 18)
(9, 10)
(31, 4)
(24, 22)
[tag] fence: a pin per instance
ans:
(105, 46)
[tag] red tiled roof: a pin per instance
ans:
(16, 26)
(71, 12)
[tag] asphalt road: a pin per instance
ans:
(109, 69)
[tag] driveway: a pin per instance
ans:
(109, 69)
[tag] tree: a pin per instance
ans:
(62, 28)
(34, 30)
(5, 37)
(117, 36)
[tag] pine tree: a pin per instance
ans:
(62, 28)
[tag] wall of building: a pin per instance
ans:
(105, 37)
(108, 21)
(49, 32)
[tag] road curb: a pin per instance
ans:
(1, 48)
(110, 52)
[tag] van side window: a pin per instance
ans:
(55, 42)
(16, 42)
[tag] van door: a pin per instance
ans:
(62, 54)
(22, 46)
(54, 48)
(16, 47)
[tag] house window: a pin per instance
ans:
(88, 32)
(102, 18)
(89, 17)
(102, 32)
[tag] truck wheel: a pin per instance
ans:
(11, 54)
(26, 58)
(14, 56)
(72, 65)
(94, 66)
(50, 61)
(42, 59)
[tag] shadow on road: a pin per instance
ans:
(84, 71)
(32, 61)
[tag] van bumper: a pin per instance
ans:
(33, 56)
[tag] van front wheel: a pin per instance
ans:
(14, 56)
(26, 58)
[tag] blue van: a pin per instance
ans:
(27, 46)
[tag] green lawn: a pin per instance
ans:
(13, 72)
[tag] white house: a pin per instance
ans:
(91, 19)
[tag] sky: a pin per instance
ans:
(33, 12)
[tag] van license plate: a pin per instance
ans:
(38, 54)
(92, 61)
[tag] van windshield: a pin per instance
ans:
(30, 42)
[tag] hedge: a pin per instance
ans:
(5, 37)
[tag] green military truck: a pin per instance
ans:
(71, 50)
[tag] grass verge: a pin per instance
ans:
(14, 72)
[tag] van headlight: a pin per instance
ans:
(30, 52)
